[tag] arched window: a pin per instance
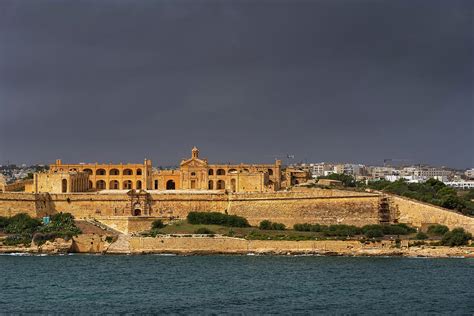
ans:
(220, 172)
(127, 185)
(233, 184)
(88, 171)
(232, 171)
(100, 185)
(100, 172)
(127, 172)
(210, 172)
(210, 185)
(139, 185)
(220, 185)
(270, 172)
(170, 185)
(193, 174)
(139, 172)
(156, 184)
(114, 172)
(114, 185)
(245, 170)
(64, 186)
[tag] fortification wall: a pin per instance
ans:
(317, 206)
(421, 214)
(235, 245)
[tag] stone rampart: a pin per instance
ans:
(422, 214)
(318, 206)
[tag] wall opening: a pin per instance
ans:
(100, 185)
(156, 184)
(220, 185)
(127, 185)
(114, 185)
(64, 186)
(210, 185)
(220, 172)
(139, 185)
(170, 185)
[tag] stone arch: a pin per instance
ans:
(88, 171)
(210, 185)
(210, 172)
(139, 172)
(220, 185)
(193, 174)
(114, 172)
(64, 186)
(100, 185)
(127, 185)
(245, 170)
(139, 185)
(232, 171)
(170, 185)
(220, 172)
(114, 185)
(100, 172)
(128, 172)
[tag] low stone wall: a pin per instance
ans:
(421, 214)
(127, 225)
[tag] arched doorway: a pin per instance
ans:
(170, 185)
(220, 185)
(127, 185)
(114, 185)
(211, 185)
(100, 185)
(64, 186)
(137, 212)
(139, 185)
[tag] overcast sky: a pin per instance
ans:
(245, 81)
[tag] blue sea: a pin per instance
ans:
(250, 285)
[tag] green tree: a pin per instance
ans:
(456, 237)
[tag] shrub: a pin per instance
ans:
(372, 231)
(308, 227)
(157, 224)
(398, 229)
(4, 221)
(217, 218)
(456, 237)
(302, 227)
(204, 231)
(61, 226)
(438, 229)
(341, 230)
(18, 239)
(21, 224)
(421, 236)
(267, 225)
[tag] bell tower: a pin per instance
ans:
(195, 153)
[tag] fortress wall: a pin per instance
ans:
(421, 214)
(235, 245)
(15, 203)
(320, 206)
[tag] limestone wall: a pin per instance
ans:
(421, 214)
(234, 245)
(318, 206)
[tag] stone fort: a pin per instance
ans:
(128, 197)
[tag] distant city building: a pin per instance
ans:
(469, 173)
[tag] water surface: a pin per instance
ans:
(85, 284)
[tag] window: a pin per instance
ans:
(220, 172)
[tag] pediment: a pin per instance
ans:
(194, 162)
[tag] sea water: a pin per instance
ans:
(154, 284)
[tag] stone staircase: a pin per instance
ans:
(120, 246)
(96, 223)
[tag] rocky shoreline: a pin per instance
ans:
(129, 245)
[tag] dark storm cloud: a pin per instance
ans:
(243, 80)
